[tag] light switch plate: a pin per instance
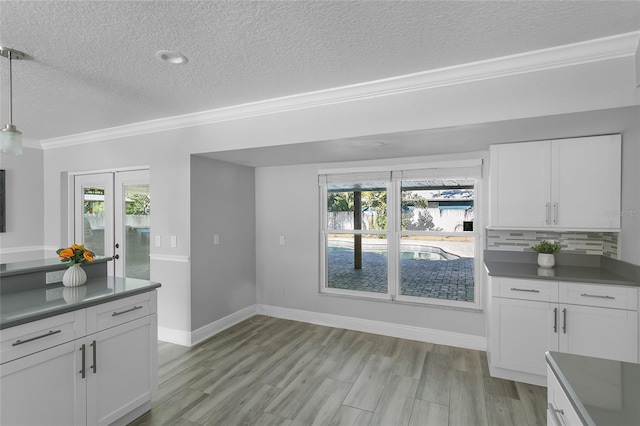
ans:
(216, 239)
(174, 241)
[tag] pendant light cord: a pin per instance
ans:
(10, 90)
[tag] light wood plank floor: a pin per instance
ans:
(283, 372)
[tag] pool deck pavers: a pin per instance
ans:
(440, 279)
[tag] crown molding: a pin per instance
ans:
(602, 49)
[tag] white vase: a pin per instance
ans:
(74, 276)
(546, 260)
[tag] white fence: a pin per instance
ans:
(445, 220)
(96, 221)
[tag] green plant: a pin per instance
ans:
(546, 247)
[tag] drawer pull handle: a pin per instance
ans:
(532, 290)
(554, 412)
(135, 308)
(597, 295)
(20, 342)
(555, 320)
(564, 321)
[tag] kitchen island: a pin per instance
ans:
(76, 355)
(593, 391)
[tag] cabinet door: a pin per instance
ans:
(599, 332)
(585, 182)
(520, 184)
(119, 375)
(45, 388)
(522, 332)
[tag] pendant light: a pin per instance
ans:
(10, 137)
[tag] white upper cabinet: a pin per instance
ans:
(563, 183)
(520, 176)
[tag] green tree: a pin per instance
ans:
(340, 202)
(139, 204)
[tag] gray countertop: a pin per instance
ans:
(603, 392)
(30, 305)
(584, 269)
(585, 274)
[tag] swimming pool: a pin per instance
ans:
(407, 253)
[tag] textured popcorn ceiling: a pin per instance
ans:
(92, 62)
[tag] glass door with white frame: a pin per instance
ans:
(112, 218)
(93, 219)
(132, 224)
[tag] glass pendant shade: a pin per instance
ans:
(10, 140)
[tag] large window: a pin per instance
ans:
(403, 235)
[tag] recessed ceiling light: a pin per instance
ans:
(172, 57)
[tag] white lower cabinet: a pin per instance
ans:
(119, 375)
(44, 388)
(528, 318)
(520, 330)
(560, 412)
(93, 380)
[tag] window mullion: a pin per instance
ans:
(393, 240)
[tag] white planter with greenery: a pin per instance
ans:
(546, 253)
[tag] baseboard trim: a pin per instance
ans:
(170, 258)
(378, 327)
(401, 331)
(178, 337)
(222, 324)
(517, 376)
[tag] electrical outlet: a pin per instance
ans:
(174, 241)
(216, 239)
(281, 240)
(158, 241)
(54, 277)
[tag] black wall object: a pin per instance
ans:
(3, 216)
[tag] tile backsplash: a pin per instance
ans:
(598, 243)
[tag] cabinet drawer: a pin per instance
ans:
(545, 291)
(107, 315)
(22, 340)
(606, 296)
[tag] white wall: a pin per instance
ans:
(168, 162)
(24, 238)
(223, 276)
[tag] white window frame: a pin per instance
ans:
(394, 232)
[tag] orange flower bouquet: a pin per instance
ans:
(75, 255)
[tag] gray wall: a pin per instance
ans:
(288, 275)
(223, 276)
(629, 249)
(24, 198)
